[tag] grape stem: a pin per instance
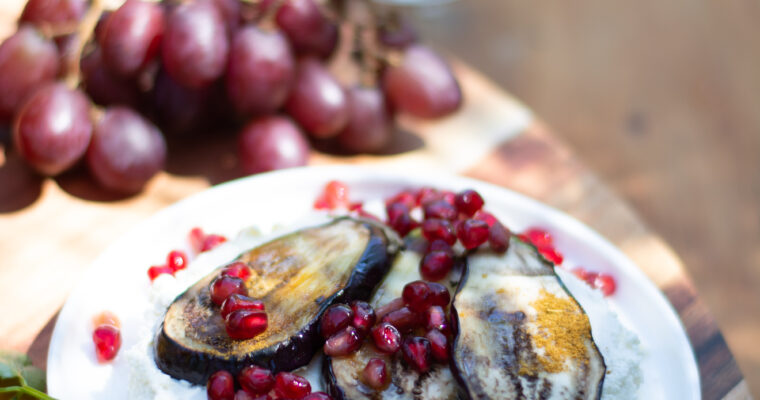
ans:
(84, 34)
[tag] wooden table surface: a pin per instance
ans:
(50, 230)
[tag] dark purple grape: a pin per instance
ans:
(27, 62)
(370, 122)
(178, 109)
(272, 142)
(104, 86)
(53, 12)
(317, 101)
(423, 85)
(308, 29)
(195, 44)
(53, 128)
(260, 71)
(126, 150)
(132, 36)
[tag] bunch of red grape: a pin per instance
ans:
(104, 92)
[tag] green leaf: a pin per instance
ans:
(34, 377)
(19, 379)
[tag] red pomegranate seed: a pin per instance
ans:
(426, 195)
(606, 284)
(225, 286)
(221, 386)
(436, 265)
(404, 319)
(440, 209)
(256, 380)
(245, 324)
(107, 339)
(498, 237)
(449, 196)
(336, 194)
(439, 345)
(485, 216)
(343, 343)
(581, 273)
(440, 229)
(472, 233)
(439, 294)
(237, 270)
(156, 270)
(417, 353)
(416, 296)
(238, 301)
(468, 202)
(538, 237)
(176, 260)
(291, 386)
(195, 237)
(439, 244)
(392, 305)
(375, 374)
(402, 224)
(243, 395)
(334, 319)
(317, 396)
(364, 316)
(435, 318)
(211, 241)
(386, 337)
(405, 197)
(551, 255)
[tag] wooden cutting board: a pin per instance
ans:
(51, 230)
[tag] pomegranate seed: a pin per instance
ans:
(364, 316)
(195, 237)
(441, 229)
(468, 202)
(404, 197)
(439, 294)
(221, 386)
(364, 214)
(256, 380)
(107, 339)
(317, 396)
(399, 218)
(106, 318)
(591, 277)
(539, 237)
(291, 386)
(426, 195)
(472, 233)
(245, 324)
(375, 374)
(156, 270)
(239, 302)
(343, 343)
(606, 284)
(581, 273)
(416, 296)
(440, 209)
(439, 244)
(211, 241)
(243, 395)
(416, 351)
(435, 318)
(392, 305)
(552, 255)
(386, 337)
(336, 194)
(436, 265)
(449, 196)
(404, 319)
(498, 237)
(439, 345)
(237, 270)
(321, 203)
(334, 319)
(225, 286)
(486, 217)
(176, 260)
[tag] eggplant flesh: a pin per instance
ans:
(342, 375)
(297, 276)
(519, 333)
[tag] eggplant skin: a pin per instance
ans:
(497, 316)
(197, 346)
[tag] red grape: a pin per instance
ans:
(423, 85)
(270, 143)
(104, 86)
(132, 36)
(126, 150)
(230, 12)
(308, 29)
(370, 123)
(195, 44)
(52, 129)
(27, 62)
(260, 71)
(179, 109)
(317, 100)
(52, 12)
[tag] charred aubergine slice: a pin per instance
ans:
(342, 375)
(297, 276)
(519, 333)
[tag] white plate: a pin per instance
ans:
(118, 274)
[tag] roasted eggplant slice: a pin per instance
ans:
(519, 333)
(342, 374)
(297, 276)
